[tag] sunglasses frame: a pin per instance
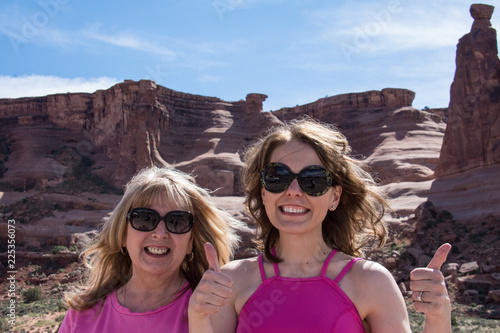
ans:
(328, 175)
(167, 219)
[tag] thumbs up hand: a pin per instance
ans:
(430, 293)
(213, 291)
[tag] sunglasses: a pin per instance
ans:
(314, 180)
(147, 219)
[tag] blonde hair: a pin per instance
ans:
(110, 269)
(358, 217)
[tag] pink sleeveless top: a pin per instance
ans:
(315, 304)
(112, 317)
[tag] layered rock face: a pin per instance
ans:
(472, 137)
(137, 124)
(125, 128)
(397, 141)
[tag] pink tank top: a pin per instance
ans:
(315, 304)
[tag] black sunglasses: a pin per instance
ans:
(147, 219)
(314, 180)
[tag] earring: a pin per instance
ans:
(124, 252)
(190, 257)
(332, 208)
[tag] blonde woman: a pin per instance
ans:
(316, 209)
(149, 256)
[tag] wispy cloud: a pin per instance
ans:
(39, 85)
(130, 41)
(382, 27)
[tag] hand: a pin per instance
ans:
(429, 284)
(214, 289)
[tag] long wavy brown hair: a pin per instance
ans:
(109, 269)
(357, 220)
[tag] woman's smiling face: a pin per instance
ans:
(158, 251)
(292, 210)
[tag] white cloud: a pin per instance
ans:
(40, 85)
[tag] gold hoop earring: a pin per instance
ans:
(124, 252)
(190, 257)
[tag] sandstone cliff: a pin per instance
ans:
(472, 137)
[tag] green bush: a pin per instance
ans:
(32, 295)
(58, 249)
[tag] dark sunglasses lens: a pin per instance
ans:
(179, 222)
(314, 181)
(277, 178)
(143, 219)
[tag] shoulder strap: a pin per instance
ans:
(275, 264)
(261, 268)
(327, 262)
(346, 269)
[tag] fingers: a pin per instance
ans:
(212, 292)
(433, 305)
(212, 258)
(434, 266)
(429, 287)
(214, 289)
(440, 257)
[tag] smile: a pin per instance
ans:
(293, 209)
(156, 250)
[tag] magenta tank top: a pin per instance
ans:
(315, 304)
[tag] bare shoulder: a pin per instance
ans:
(241, 268)
(246, 279)
(368, 277)
(371, 286)
(366, 270)
(244, 272)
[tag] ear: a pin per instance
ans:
(124, 238)
(190, 246)
(337, 193)
(263, 193)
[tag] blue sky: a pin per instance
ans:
(293, 51)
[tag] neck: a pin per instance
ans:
(299, 249)
(141, 294)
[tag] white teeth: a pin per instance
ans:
(155, 250)
(293, 210)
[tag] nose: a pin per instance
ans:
(294, 189)
(161, 230)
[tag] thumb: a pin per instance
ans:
(213, 260)
(440, 257)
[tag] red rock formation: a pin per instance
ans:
(136, 124)
(399, 142)
(127, 127)
(472, 137)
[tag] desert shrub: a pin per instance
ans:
(58, 249)
(32, 295)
